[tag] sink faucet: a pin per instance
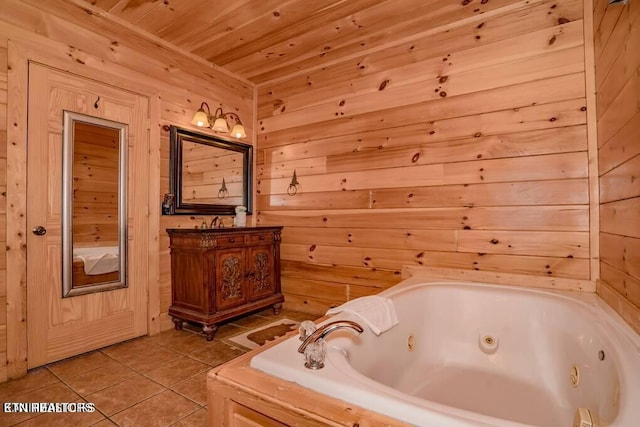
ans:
(314, 347)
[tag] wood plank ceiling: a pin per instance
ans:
(262, 40)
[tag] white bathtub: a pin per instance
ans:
(452, 377)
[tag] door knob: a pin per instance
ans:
(39, 230)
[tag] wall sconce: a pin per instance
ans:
(294, 185)
(223, 193)
(218, 122)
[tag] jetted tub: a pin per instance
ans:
(468, 354)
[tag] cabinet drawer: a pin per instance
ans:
(229, 241)
(261, 238)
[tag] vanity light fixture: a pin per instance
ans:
(218, 122)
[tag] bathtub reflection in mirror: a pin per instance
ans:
(94, 204)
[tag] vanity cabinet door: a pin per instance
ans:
(261, 274)
(230, 274)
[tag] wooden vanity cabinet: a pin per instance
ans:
(221, 273)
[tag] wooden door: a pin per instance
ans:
(61, 327)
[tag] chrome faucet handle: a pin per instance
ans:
(325, 330)
(314, 354)
(306, 328)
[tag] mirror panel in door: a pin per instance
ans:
(94, 233)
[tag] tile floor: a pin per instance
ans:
(149, 381)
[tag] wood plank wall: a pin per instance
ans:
(3, 209)
(465, 148)
(181, 81)
(617, 54)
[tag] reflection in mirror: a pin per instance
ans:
(211, 175)
(94, 209)
(208, 175)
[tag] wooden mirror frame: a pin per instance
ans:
(179, 207)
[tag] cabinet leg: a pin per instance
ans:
(177, 323)
(277, 307)
(209, 331)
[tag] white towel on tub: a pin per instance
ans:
(377, 312)
(98, 260)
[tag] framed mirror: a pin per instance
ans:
(94, 204)
(208, 175)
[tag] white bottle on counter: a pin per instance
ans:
(241, 216)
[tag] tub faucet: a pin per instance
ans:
(314, 347)
(215, 220)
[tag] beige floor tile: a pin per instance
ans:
(161, 410)
(57, 392)
(177, 371)
(13, 418)
(125, 394)
(219, 353)
(107, 375)
(164, 338)
(148, 360)
(197, 419)
(35, 379)
(110, 379)
(53, 393)
(194, 388)
(64, 419)
(194, 328)
(78, 365)
(108, 423)
(189, 344)
(129, 349)
(229, 330)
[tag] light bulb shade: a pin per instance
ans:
(200, 119)
(238, 131)
(220, 125)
